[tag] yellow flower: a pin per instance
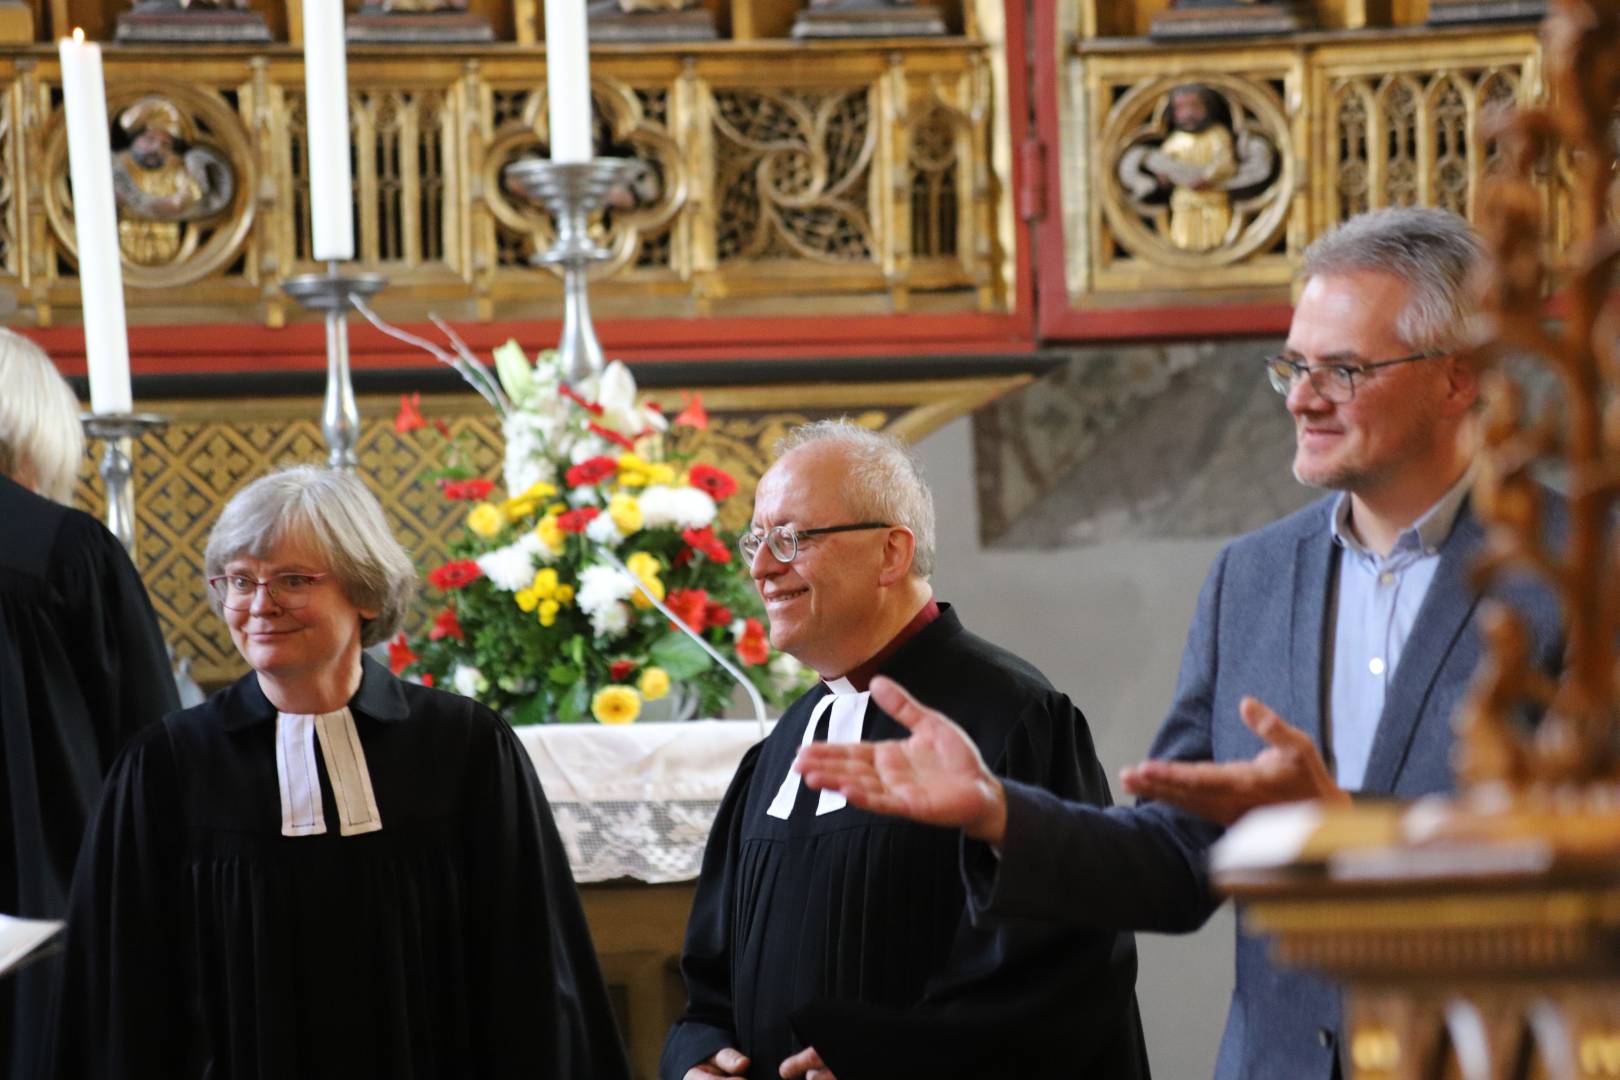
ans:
(545, 581)
(521, 506)
(547, 593)
(550, 534)
(548, 612)
(485, 520)
(527, 599)
(625, 512)
(635, 471)
(616, 705)
(645, 567)
(654, 683)
(660, 473)
(557, 508)
(564, 594)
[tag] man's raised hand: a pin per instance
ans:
(934, 776)
(1289, 769)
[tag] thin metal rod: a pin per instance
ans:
(340, 416)
(117, 473)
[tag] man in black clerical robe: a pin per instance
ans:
(826, 942)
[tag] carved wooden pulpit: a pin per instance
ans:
(1478, 937)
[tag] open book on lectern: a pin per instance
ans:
(22, 941)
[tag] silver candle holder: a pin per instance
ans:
(331, 294)
(118, 431)
(572, 192)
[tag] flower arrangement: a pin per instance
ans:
(537, 621)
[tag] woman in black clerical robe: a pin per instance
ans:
(323, 871)
(82, 667)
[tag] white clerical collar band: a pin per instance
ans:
(845, 726)
(301, 812)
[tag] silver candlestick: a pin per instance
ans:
(330, 293)
(573, 192)
(119, 430)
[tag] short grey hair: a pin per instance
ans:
(1433, 250)
(333, 513)
(41, 441)
(885, 480)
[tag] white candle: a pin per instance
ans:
(568, 80)
(326, 122)
(95, 223)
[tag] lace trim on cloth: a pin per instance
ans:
(301, 811)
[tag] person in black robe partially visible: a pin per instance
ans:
(831, 944)
(82, 668)
(322, 871)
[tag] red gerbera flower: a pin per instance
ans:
(454, 575)
(467, 490)
(446, 625)
(591, 471)
(574, 521)
(751, 645)
(427, 678)
(620, 670)
(716, 614)
(400, 655)
(717, 482)
(689, 605)
(705, 541)
(410, 414)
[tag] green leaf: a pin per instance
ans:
(532, 711)
(679, 655)
(574, 705)
(563, 675)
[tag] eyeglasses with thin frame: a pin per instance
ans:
(288, 591)
(1332, 382)
(783, 540)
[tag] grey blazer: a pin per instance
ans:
(1260, 629)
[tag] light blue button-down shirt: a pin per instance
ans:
(1375, 604)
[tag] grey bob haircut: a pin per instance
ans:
(1434, 251)
(885, 481)
(337, 517)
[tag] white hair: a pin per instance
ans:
(1433, 250)
(41, 442)
(885, 482)
(334, 513)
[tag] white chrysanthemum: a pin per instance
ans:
(786, 673)
(512, 567)
(602, 530)
(612, 620)
(468, 681)
(676, 508)
(584, 495)
(601, 587)
(528, 448)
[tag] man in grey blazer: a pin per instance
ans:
(1353, 618)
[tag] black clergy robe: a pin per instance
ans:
(82, 668)
(450, 944)
(848, 931)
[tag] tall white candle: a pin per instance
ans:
(95, 223)
(326, 121)
(568, 80)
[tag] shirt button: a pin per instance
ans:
(1386, 578)
(1376, 665)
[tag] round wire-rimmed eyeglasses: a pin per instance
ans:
(783, 540)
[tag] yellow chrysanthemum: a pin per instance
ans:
(521, 506)
(550, 534)
(548, 612)
(636, 471)
(527, 599)
(564, 594)
(646, 568)
(486, 520)
(659, 473)
(616, 705)
(625, 511)
(654, 683)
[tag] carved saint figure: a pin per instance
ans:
(1199, 167)
(1193, 161)
(161, 182)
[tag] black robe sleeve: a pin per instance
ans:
(546, 1011)
(1019, 998)
(705, 1027)
(115, 1015)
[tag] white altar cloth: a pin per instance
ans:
(636, 800)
